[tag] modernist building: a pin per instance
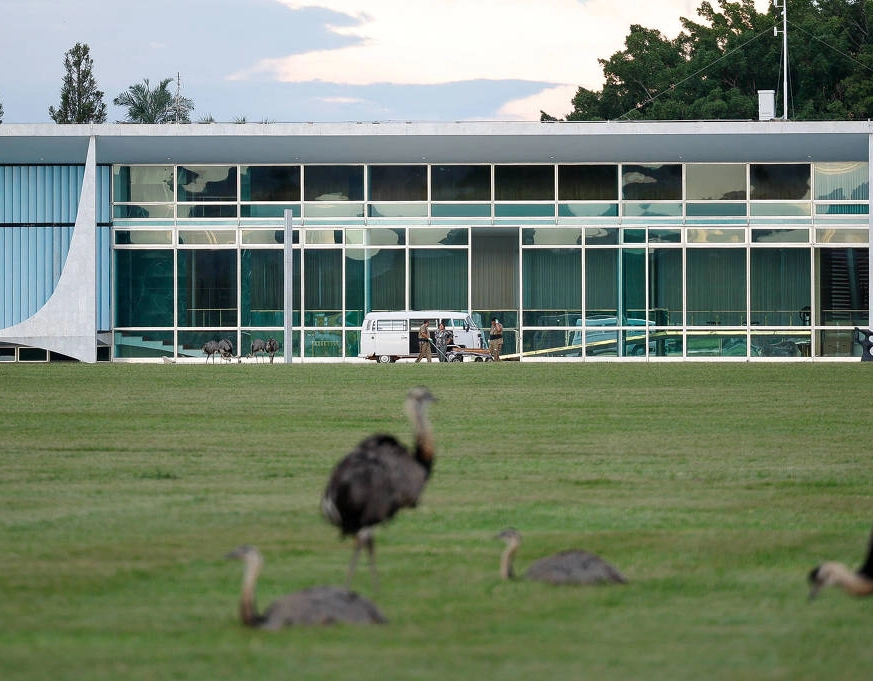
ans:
(657, 241)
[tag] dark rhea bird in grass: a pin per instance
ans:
(378, 478)
(568, 567)
(317, 605)
(854, 582)
(259, 345)
(209, 349)
(271, 346)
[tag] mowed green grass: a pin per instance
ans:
(713, 487)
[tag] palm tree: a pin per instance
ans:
(158, 105)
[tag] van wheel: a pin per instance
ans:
(385, 359)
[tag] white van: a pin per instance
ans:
(389, 336)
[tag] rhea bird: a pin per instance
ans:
(317, 605)
(567, 567)
(378, 478)
(209, 349)
(854, 582)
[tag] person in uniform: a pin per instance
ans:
(423, 342)
(495, 339)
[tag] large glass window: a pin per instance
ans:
(460, 183)
(333, 183)
(842, 181)
(207, 183)
(652, 182)
(551, 287)
(588, 182)
(843, 296)
(715, 181)
(207, 285)
(716, 286)
(779, 181)
(438, 279)
(270, 183)
(780, 286)
(147, 184)
(375, 280)
(601, 281)
(665, 286)
(263, 287)
(398, 183)
(143, 287)
(323, 287)
(524, 183)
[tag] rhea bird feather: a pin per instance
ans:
(317, 605)
(854, 582)
(378, 478)
(574, 566)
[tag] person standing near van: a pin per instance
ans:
(495, 339)
(441, 340)
(423, 342)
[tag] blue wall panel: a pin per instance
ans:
(38, 206)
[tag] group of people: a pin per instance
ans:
(443, 338)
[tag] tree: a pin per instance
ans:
(158, 105)
(1, 112)
(81, 101)
(715, 67)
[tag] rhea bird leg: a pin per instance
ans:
(364, 538)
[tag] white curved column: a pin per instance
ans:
(67, 323)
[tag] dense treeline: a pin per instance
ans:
(714, 68)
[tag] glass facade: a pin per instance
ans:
(656, 260)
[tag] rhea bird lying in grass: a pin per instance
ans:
(313, 606)
(854, 582)
(567, 567)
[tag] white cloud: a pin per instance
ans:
(432, 42)
(429, 42)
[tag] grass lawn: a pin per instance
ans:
(713, 487)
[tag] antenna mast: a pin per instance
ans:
(785, 60)
(178, 94)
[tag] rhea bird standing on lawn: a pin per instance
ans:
(378, 478)
(854, 582)
(313, 606)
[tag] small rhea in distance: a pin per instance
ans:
(574, 566)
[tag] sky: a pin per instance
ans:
(327, 60)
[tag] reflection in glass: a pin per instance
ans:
(779, 285)
(652, 182)
(715, 182)
(145, 345)
(716, 286)
(398, 183)
(375, 280)
(588, 182)
(524, 183)
(842, 181)
(142, 183)
(843, 295)
(143, 287)
(779, 181)
(438, 279)
(207, 183)
(460, 183)
(323, 287)
(270, 183)
(334, 183)
(665, 286)
(262, 290)
(551, 279)
(207, 284)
